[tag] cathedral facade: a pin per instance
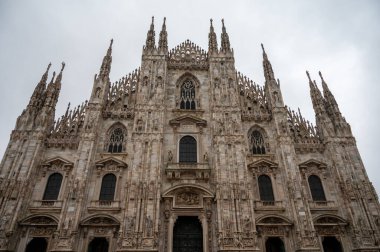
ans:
(184, 154)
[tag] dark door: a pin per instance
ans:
(37, 245)
(99, 244)
(274, 244)
(331, 244)
(187, 235)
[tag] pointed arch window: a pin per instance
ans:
(107, 190)
(188, 150)
(316, 188)
(257, 143)
(265, 188)
(187, 95)
(116, 140)
(53, 187)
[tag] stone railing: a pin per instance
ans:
(104, 205)
(323, 205)
(269, 205)
(46, 204)
(199, 171)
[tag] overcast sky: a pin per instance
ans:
(340, 38)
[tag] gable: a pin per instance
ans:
(186, 120)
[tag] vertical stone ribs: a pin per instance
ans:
(254, 101)
(306, 136)
(121, 96)
(65, 131)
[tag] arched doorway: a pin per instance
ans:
(37, 245)
(331, 244)
(98, 244)
(187, 235)
(274, 244)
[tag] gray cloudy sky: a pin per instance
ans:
(340, 38)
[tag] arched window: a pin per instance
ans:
(188, 150)
(187, 95)
(52, 187)
(116, 140)
(316, 188)
(257, 143)
(107, 191)
(265, 188)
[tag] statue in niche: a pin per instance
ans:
(149, 226)
(170, 156)
(205, 157)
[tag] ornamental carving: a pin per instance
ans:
(188, 56)
(187, 198)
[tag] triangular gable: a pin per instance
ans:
(187, 50)
(188, 55)
(57, 160)
(263, 162)
(311, 163)
(188, 119)
(110, 161)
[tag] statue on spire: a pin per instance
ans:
(212, 42)
(150, 37)
(163, 41)
(225, 41)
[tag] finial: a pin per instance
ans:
(223, 22)
(47, 69)
(52, 78)
(164, 20)
(211, 21)
(262, 47)
(111, 42)
(63, 66)
(308, 75)
(320, 75)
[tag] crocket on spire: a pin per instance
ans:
(38, 93)
(163, 40)
(225, 40)
(105, 69)
(212, 41)
(268, 71)
(150, 37)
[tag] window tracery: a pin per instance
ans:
(257, 143)
(116, 140)
(188, 95)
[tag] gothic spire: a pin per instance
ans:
(329, 97)
(268, 71)
(212, 42)
(40, 88)
(150, 37)
(105, 69)
(225, 41)
(163, 41)
(316, 96)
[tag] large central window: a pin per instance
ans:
(187, 150)
(187, 95)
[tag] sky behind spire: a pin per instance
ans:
(340, 38)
